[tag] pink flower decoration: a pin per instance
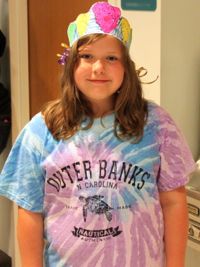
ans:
(106, 16)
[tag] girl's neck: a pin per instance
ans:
(101, 108)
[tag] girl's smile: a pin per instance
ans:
(100, 72)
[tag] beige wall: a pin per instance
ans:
(180, 66)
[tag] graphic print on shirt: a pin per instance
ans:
(95, 193)
(96, 205)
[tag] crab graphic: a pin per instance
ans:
(96, 205)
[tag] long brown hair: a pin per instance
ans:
(63, 117)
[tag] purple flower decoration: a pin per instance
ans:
(64, 56)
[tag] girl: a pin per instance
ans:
(99, 175)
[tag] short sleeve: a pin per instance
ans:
(22, 178)
(176, 160)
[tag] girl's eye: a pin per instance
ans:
(112, 58)
(85, 56)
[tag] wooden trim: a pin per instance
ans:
(18, 42)
(19, 75)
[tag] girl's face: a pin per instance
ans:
(99, 72)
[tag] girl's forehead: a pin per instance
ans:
(103, 44)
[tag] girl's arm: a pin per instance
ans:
(175, 213)
(30, 237)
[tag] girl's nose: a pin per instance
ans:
(99, 66)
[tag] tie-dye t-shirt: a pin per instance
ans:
(99, 195)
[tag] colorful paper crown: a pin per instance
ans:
(101, 18)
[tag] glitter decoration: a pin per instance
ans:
(107, 16)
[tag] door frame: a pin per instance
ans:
(19, 70)
(19, 80)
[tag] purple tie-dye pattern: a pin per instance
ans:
(150, 235)
(86, 249)
(145, 235)
(176, 159)
(119, 246)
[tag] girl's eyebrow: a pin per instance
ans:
(84, 48)
(113, 52)
(84, 51)
(91, 51)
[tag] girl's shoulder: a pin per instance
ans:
(36, 124)
(35, 135)
(37, 128)
(161, 122)
(157, 114)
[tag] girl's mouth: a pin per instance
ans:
(98, 81)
